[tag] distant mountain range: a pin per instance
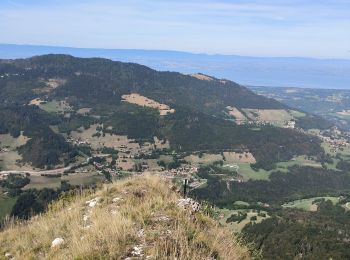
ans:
(284, 72)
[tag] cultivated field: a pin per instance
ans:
(137, 99)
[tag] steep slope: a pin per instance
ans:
(137, 218)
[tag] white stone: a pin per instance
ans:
(8, 255)
(141, 233)
(116, 199)
(137, 251)
(188, 203)
(57, 242)
(92, 203)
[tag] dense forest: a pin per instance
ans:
(298, 182)
(294, 233)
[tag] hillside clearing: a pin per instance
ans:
(307, 204)
(239, 117)
(137, 99)
(202, 77)
(273, 116)
(237, 226)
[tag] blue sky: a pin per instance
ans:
(310, 28)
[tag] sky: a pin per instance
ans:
(303, 28)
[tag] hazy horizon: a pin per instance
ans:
(258, 28)
(246, 70)
(170, 50)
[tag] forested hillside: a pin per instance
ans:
(46, 91)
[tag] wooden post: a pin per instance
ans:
(185, 187)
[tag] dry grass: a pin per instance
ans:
(233, 157)
(137, 99)
(51, 84)
(273, 116)
(146, 216)
(236, 113)
(36, 102)
(202, 77)
(206, 158)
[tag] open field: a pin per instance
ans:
(109, 140)
(36, 102)
(161, 144)
(233, 157)
(273, 116)
(6, 205)
(10, 161)
(53, 106)
(9, 157)
(84, 111)
(230, 158)
(249, 174)
(51, 84)
(235, 226)
(137, 99)
(236, 114)
(7, 141)
(344, 151)
(41, 182)
(81, 179)
(306, 204)
(126, 164)
(202, 77)
(205, 159)
(296, 114)
(299, 160)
